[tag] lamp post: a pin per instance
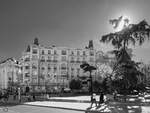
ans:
(91, 88)
(12, 80)
(38, 74)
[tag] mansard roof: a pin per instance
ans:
(9, 59)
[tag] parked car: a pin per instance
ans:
(67, 90)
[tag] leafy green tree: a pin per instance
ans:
(96, 86)
(125, 72)
(75, 84)
(133, 33)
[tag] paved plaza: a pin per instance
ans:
(134, 104)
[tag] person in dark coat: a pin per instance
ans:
(115, 95)
(101, 98)
(93, 100)
(15, 94)
(33, 96)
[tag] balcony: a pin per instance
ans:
(27, 59)
(49, 60)
(78, 61)
(64, 76)
(42, 60)
(63, 68)
(27, 75)
(55, 60)
(72, 61)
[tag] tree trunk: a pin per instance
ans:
(91, 88)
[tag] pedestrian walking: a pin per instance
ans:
(101, 98)
(15, 94)
(19, 94)
(115, 95)
(27, 93)
(33, 96)
(93, 100)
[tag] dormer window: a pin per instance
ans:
(42, 52)
(63, 52)
(34, 51)
(49, 52)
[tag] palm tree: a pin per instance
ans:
(88, 68)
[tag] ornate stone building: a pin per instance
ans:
(53, 67)
(10, 73)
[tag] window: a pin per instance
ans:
(91, 59)
(55, 58)
(27, 59)
(43, 68)
(55, 52)
(72, 69)
(34, 57)
(27, 67)
(27, 75)
(78, 59)
(42, 59)
(91, 53)
(42, 52)
(84, 82)
(72, 53)
(63, 52)
(49, 59)
(84, 59)
(84, 53)
(78, 52)
(34, 74)
(34, 66)
(63, 66)
(63, 58)
(49, 51)
(78, 71)
(48, 75)
(72, 59)
(55, 69)
(9, 78)
(34, 80)
(49, 68)
(34, 51)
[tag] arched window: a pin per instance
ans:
(63, 52)
(42, 52)
(49, 51)
(63, 66)
(34, 66)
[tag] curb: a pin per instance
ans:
(110, 102)
(54, 107)
(86, 111)
(63, 100)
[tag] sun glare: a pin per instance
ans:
(120, 26)
(122, 23)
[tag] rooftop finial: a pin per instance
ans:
(36, 41)
(91, 44)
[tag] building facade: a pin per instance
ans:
(145, 69)
(10, 73)
(53, 67)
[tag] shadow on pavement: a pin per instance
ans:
(115, 108)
